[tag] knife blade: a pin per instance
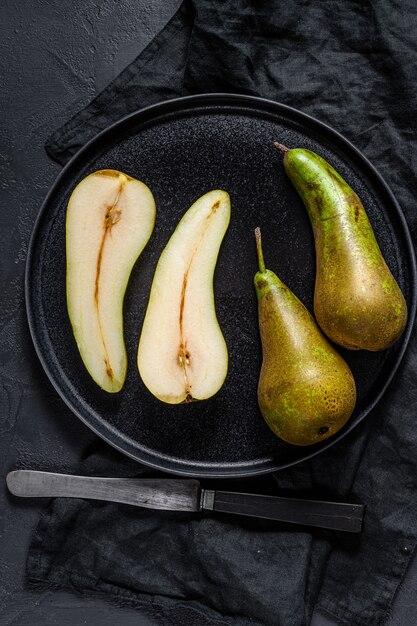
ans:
(186, 495)
(149, 493)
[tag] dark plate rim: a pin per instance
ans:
(240, 469)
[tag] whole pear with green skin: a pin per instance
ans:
(306, 391)
(357, 302)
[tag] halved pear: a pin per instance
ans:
(182, 353)
(110, 217)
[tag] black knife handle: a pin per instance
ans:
(332, 515)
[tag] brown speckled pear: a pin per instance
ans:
(306, 391)
(357, 302)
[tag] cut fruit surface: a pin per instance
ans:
(182, 353)
(110, 217)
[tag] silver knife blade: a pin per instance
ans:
(150, 493)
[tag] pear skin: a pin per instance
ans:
(357, 301)
(306, 391)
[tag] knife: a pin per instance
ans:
(187, 495)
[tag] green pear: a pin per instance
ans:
(182, 354)
(306, 391)
(357, 302)
(110, 217)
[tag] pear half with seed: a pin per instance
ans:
(182, 353)
(110, 217)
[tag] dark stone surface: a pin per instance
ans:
(55, 56)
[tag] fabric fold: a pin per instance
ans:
(352, 65)
(156, 74)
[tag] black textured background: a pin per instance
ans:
(55, 56)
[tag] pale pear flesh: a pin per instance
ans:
(110, 217)
(182, 353)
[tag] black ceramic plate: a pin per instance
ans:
(182, 149)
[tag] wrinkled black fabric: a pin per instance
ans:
(351, 64)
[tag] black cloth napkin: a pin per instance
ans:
(351, 64)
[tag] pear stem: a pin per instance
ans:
(259, 250)
(281, 148)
